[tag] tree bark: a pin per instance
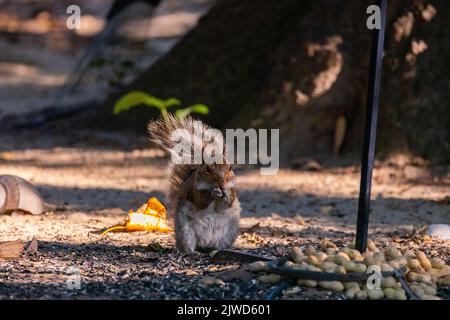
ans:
(300, 65)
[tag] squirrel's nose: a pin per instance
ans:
(217, 192)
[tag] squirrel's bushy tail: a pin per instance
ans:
(161, 130)
(200, 134)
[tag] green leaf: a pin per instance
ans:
(196, 108)
(129, 101)
(137, 98)
(172, 102)
(199, 108)
(180, 114)
(160, 103)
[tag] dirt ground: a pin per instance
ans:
(89, 180)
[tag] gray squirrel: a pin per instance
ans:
(202, 196)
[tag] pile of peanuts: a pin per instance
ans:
(423, 275)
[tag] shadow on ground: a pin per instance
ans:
(257, 203)
(94, 199)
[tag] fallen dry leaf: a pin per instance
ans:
(191, 273)
(211, 281)
(254, 227)
(339, 133)
(292, 290)
(33, 246)
(253, 238)
(213, 268)
(326, 243)
(11, 249)
(312, 165)
(301, 221)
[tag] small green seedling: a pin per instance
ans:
(195, 108)
(137, 98)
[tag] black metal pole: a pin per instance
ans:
(370, 130)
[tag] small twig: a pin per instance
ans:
(223, 256)
(278, 290)
(407, 188)
(399, 275)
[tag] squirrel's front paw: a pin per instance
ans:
(218, 193)
(223, 198)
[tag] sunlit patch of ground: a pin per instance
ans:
(92, 184)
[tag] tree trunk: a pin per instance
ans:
(299, 65)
